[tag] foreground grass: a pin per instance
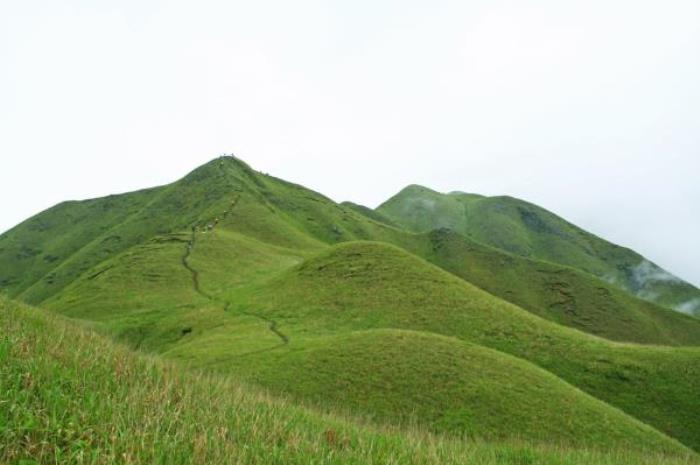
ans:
(70, 396)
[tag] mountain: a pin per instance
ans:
(527, 230)
(44, 254)
(347, 309)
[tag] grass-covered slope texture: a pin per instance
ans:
(376, 286)
(560, 293)
(446, 385)
(77, 241)
(362, 286)
(525, 229)
(42, 255)
(69, 396)
(238, 272)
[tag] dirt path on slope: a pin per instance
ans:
(189, 247)
(195, 274)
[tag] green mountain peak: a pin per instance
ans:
(475, 316)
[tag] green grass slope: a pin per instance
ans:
(410, 377)
(362, 286)
(32, 249)
(369, 213)
(559, 293)
(145, 296)
(228, 193)
(257, 284)
(527, 230)
(47, 252)
(150, 281)
(161, 312)
(70, 396)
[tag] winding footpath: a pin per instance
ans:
(193, 271)
(189, 247)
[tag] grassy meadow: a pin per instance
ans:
(71, 396)
(233, 317)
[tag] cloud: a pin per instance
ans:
(646, 273)
(691, 307)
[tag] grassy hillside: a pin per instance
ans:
(361, 286)
(73, 397)
(47, 252)
(226, 192)
(550, 290)
(561, 294)
(527, 230)
(230, 330)
(233, 271)
(32, 249)
(446, 385)
(369, 213)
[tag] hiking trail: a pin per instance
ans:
(189, 247)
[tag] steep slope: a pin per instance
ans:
(369, 213)
(45, 253)
(108, 226)
(561, 294)
(361, 286)
(132, 409)
(527, 230)
(215, 270)
(145, 297)
(32, 249)
(229, 335)
(227, 193)
(447, 385)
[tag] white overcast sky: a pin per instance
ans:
(588, 108)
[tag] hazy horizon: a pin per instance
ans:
(589, 110)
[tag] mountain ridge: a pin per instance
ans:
(508, 223)
(234, 271)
